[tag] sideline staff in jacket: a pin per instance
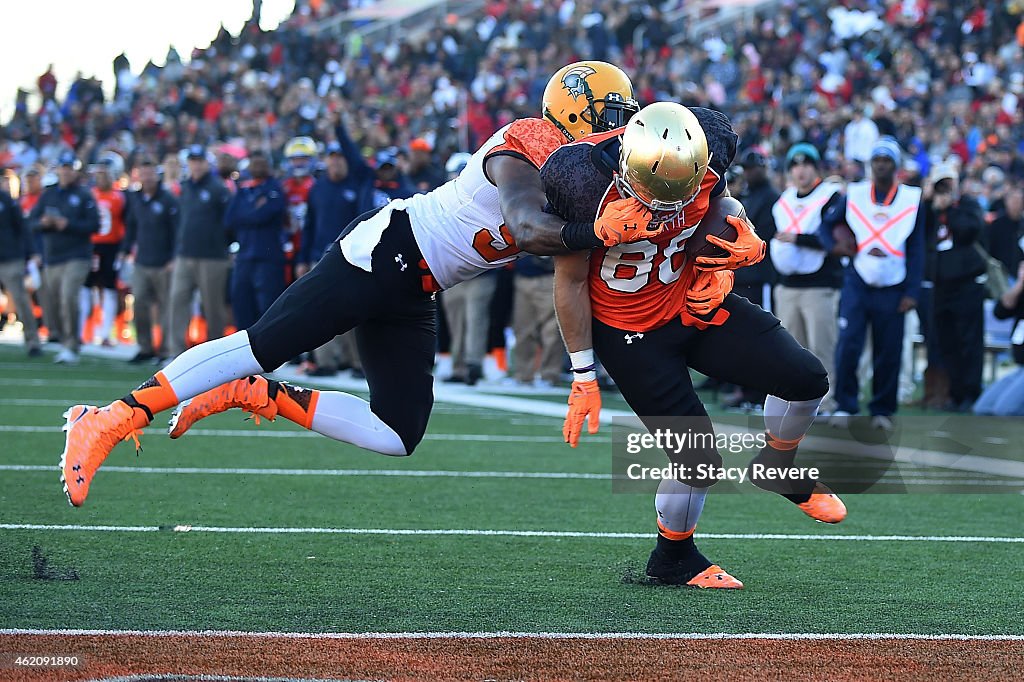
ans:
(16, 249)
(201, 257)
(256, 216)
(67, 217)
(806, 258)
(953, 263)
(151, 229)
(882, 284)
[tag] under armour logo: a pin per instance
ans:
(401, 262)
(628, 228)
(630, 337)
(80, 480)
(77, 467)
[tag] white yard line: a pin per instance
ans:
(890, 478)
(779, 636)
(472, 532)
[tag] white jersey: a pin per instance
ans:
(800, 215)
(882, 231)
(459, 227)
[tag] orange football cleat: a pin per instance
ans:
(250, 394)
(91, 434)
(715, 578)
(824, 505)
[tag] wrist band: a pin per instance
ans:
(578, 236)
(583, 365)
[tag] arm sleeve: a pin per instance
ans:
(834, 213)
(357, 166)
(21, 228)
(130, 224)
(915, 257)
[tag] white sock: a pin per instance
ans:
(679, 505)
(109, 301)
(211, 364)
(347, 418)
(789, 419)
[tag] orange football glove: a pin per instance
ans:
(708, 291)
(746, 250)
(584, 404)
(623, 221)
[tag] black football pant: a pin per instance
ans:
(394, 319)
(750, 349)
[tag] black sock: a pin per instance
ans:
(675, 549)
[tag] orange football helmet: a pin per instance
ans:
(588, 97)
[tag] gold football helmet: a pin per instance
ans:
(588, 97)
(664, 157)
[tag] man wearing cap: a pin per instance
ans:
(883, 284)
(807, 258)
(390, 180)
(16, 250)
(954, 225)
(151, 229)
(201, 257)
(424, 173)
(67, 217)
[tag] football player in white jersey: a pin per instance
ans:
(380, 278)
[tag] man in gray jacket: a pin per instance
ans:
(151, 233)
(201, 257)
(67, 217)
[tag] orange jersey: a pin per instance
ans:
(110, 205)
(642, 285)
(28, 202)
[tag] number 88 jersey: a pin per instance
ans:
(641, 285)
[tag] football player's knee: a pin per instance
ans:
(809, 381)
(697, 467)
(409, 427)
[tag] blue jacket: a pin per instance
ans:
(15, 236)
(256, 216)
(330, 207)
(77, 204)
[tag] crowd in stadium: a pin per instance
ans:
(271, 141)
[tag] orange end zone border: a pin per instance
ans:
(116, 657)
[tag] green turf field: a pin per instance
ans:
(466, 476)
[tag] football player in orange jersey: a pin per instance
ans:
(110, 202)
(380, 278)
(300, 158)
(650, 314)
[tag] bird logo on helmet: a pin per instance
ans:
(588, 97)
(663, 159)
(299, 153)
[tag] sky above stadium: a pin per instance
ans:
(86, 35)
